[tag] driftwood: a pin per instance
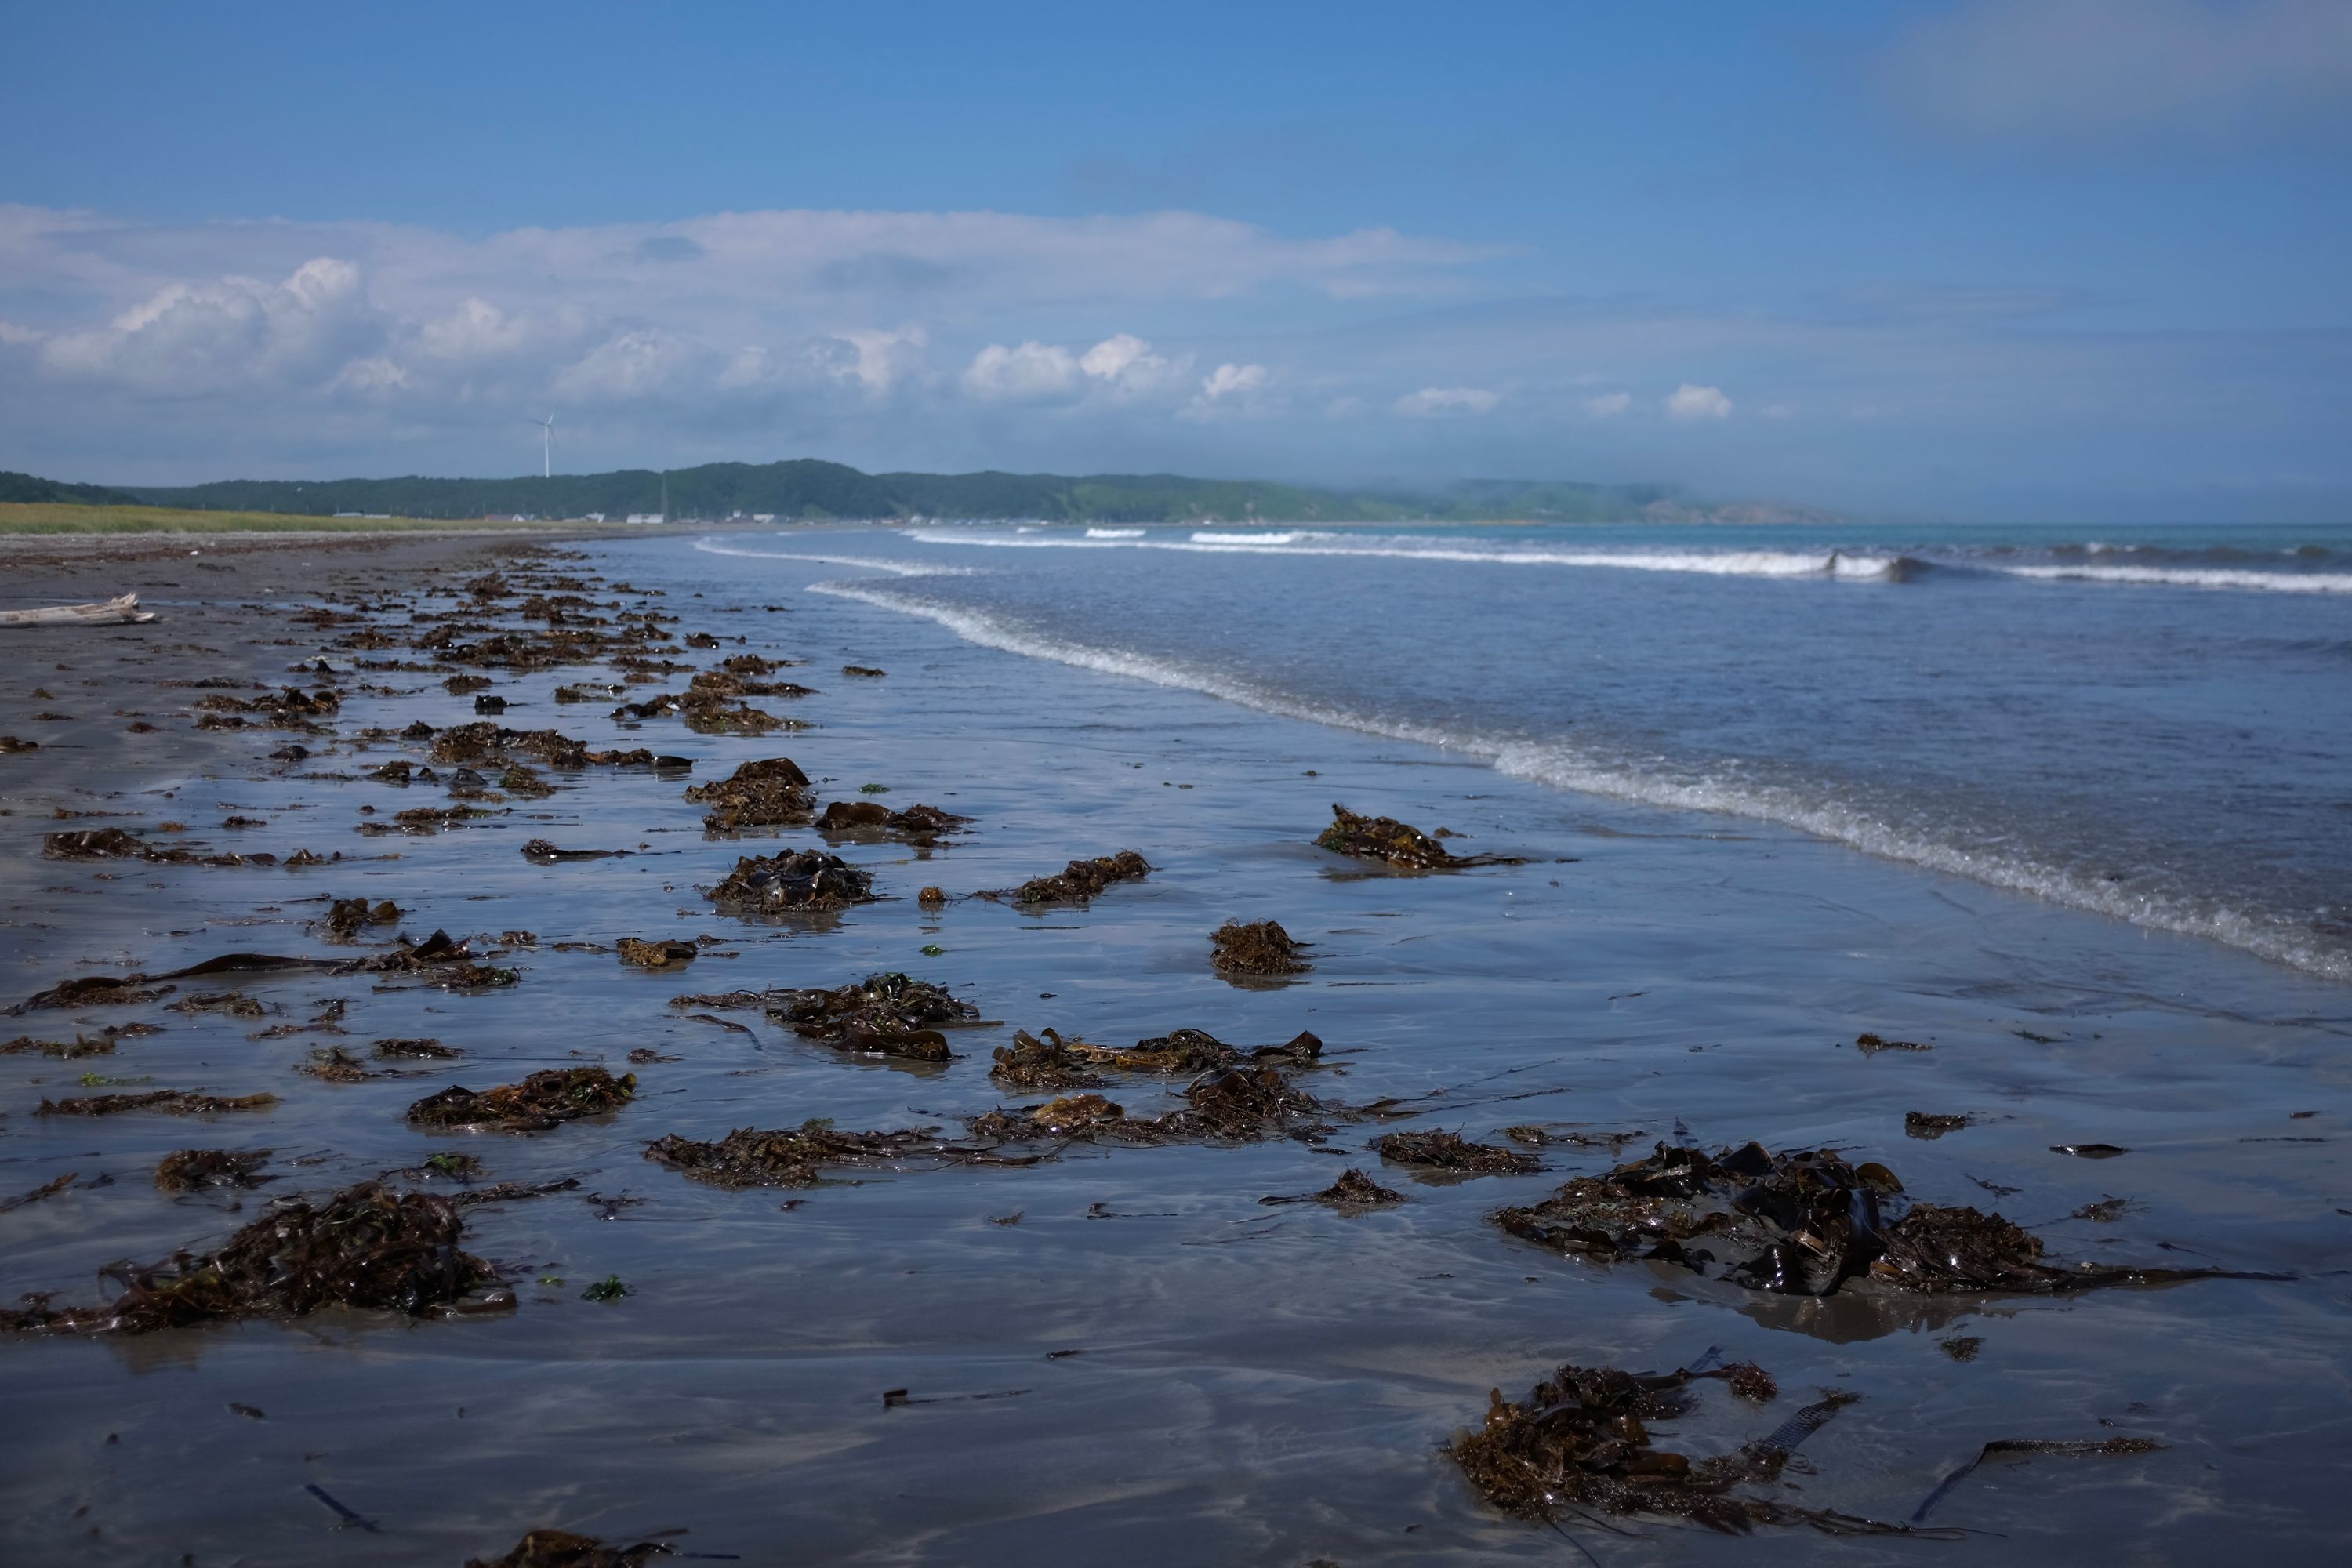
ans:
(120, 611)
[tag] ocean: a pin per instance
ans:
(2155, 725)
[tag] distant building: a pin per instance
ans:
(763, 516)
(647, 519)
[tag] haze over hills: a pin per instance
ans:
(812, 489)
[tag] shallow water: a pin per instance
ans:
(2159, 729)
(1257, 1384)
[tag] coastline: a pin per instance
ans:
(1238, 1358)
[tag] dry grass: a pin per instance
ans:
(49, 517)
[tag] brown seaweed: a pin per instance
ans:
(1931, 1124)
(366, 1247)
(917, 824)
(562, 1548)
(873, 1013)
(1352, 1193)
(655, 954)
(806, 879)
(1261, 947)
(1079, 881)
(769, 793)
(790, 1157)
(541, 1101)
(1387, 839)
(168, 1101)
(1802, 1222)
(1452, 1151)
(1048, 1063)
(187, 1169)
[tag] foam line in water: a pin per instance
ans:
(2190, 577)
(895, 568)
(1114, 533)
(1831, 563)
(1565, 768)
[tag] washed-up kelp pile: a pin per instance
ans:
(884, 1015)
(366, 1247)
(1398, 844)
(770, 792)
(1582, 1444)
(1229, 1105)
(1079, 881)
(562, 1548)
(1053, 1062)
(1801, 1223)
(916, 823)
(1261, 947)
(795, 1157)
(542, 1100)
(803, 882)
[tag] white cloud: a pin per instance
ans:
(1608, 405)
(1232, 380)
(878, 361)
(1441, 402)
(190, 338)
(633, 364)
(1031, 373)
(1129, 367)
(1688, 403)
(1230, 392)
(2104, 70)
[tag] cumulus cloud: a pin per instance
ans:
(628, 365)
(187, 339)
(1608, 405)
(1445, 402)
(2071, 71)
(1127, 365)
(1690, 404)
(1031, 373)
(875, 360)
(1230, 391)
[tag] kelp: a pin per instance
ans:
(1079, 881)
(347, 918)
(792, 1157)
(1802, 1222)
(185, 1170)
(769, 793)
(166, 1101)
(1398, 844)
(1931, 1124)
(872, 1012)
(1353, 1193)
(366, 1247)
(917, 824)
(806, 879)
(1047, 1063)
(1187, 1051)
(1261, 947)
(542, 852)
(655, 954)
(1582, 1444)
(1452, 1151)
(1230, 1105)
(2000, 1448)
(542, 1100)
(562, 1548)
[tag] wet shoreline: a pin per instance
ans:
(1255, 1382)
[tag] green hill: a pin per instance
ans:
(19, 490)
(808, 488)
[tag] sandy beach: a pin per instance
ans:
(1091, 1335)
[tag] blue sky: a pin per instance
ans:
(2065, 258)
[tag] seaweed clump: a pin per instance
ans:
(1030, 1062)
(805, 879)
(1801, 1223)
(1581, 1442)
(1231, 1105)
(1261, 947)
(890, 1015)
(541, 1101)
(769, 793)
(789, 1157)
(171, 1101)
(562, 1548)
(1398, 844)
(917, 824)
(188, 1169)
(1079, 881)
(365, 1247)
(1452, 1151)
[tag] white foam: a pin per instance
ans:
(2191, 577)
(1713, 563)
(895, 568)
(1563, 767)
(1114, 533)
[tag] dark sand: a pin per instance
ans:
(1253, 1383)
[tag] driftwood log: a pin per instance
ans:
(121, 611)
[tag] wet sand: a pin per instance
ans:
(1251, 1383)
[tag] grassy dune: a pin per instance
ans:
(44, 517)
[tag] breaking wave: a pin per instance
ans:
(2189, 578)
(1564, 767)
(895, 568)
(1114, 533)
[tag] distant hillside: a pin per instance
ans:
(807, 489)
(26, 488)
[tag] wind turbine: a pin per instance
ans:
(547, 446)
